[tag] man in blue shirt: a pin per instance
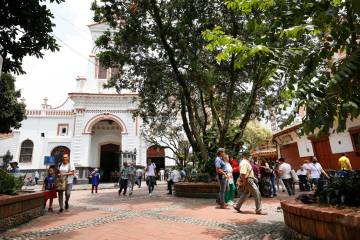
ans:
(220, 167)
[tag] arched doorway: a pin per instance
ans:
(109, 161)
(58, 152)
(157, 155)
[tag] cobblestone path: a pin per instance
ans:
(108, 216)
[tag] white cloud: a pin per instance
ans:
(54, 75)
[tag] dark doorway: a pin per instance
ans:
(109, 161)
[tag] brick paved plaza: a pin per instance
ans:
(108, 216)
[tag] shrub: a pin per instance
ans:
(9, 184)
(343, 188)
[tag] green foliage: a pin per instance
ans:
(162, 54)
(316, 56)
(12, 112)
(343, 189)
(25, 30)
(6, 160)
(256, 134)
(9, 184)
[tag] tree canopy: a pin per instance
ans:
(160, 49)
(319, 62)
(25, 29)
(12, 112)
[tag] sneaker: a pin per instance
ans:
(230, 203)
(149, 194)
(66, 205)
(61, 210)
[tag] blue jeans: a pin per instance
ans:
(222, 190)
(314, 183)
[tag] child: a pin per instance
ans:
(50, 188)
(95, 180)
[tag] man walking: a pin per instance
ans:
(139, 175)
(174, 178)
(150, 176)
(132, 173)
(124, 177)
(285, 174)
(247, 186)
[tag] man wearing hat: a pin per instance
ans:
(222, 176)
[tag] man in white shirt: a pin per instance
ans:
(315, 171)
(248, 186)
(285, 174)
(175, 177)
(302, 175)
(150, 176)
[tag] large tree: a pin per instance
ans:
(319, 62)
(159, 47)
(12, 112)
(25, 29)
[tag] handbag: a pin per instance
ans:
(61, 184)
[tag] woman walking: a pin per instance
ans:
(65, 179)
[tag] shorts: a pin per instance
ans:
(50, 194)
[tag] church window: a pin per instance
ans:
(101, 72)
(114, 72)
(26, 151)
(63, 129)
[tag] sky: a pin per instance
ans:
(54, 75)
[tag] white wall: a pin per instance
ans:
(32, 128)
(9, 143)
(305, 147)
(341, 142)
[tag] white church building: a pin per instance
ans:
(94, 125)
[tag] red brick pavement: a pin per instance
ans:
(85, 206)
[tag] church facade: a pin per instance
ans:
(94, 125)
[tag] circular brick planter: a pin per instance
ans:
(322, 222)
(196, 189)
(21, 208)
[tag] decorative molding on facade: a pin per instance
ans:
(110, 111)
(50, 113)
(105, 116)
